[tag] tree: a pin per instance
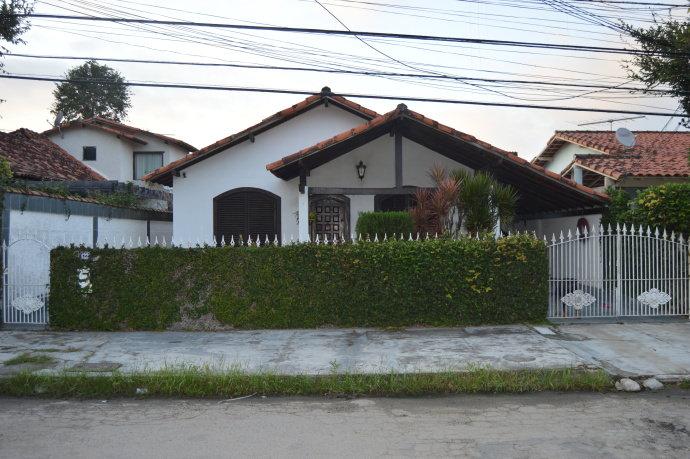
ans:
(12, 25)
(668, 45)
(92, 90)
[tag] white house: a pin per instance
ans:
(597, 160)
(115, 150)
(327, 159)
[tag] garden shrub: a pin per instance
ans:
(664, 206)
(396, 283)
(384, 223)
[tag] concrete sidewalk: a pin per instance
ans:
(630, 349)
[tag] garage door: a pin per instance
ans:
(245, 212)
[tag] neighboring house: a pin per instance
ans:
(312, 168)
(115, 150)
(597, 160)
(34, 157)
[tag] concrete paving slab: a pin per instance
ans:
(631, 349)
(302, 351)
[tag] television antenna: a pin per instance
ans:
(57, 122)
(611, 121)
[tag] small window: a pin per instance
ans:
(89, 153)
(145, 162)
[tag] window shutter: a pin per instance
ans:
(246, 212)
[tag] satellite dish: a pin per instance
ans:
(625, 137)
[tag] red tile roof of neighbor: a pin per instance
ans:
(33, 156)
(655, 154)
(325, 96)
(120, 130)
(403, 111)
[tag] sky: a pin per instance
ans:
(201, 117)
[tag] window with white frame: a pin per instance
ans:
(145, 162)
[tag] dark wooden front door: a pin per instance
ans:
(331, 216)
(245, 212)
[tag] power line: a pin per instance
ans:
(334, 71)
(351, 95)
(352, 33)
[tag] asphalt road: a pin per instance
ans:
(535, 425)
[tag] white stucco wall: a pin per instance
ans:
(553, 226)
(244, 165)
(565, 155)
(29, 261)
(114, 156)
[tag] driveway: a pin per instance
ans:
(621, 349)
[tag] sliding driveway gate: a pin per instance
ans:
(622, 272)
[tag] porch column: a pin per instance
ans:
(577, 174)
(303, 215)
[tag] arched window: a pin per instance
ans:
(245, 212)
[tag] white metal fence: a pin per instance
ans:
(623, 272)
(629, 271)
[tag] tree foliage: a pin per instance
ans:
(664, 206)
(92, 90)
(668, 45)
(11, 25)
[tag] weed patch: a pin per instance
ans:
(30, 358)
(196, 382)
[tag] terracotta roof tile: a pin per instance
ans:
(655, 154)
(266, 123)
(33, 156)
(121, 130)
(403, 111)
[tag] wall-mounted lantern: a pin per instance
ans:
(361, 170)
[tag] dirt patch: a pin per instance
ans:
(205, 322)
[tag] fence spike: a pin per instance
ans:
(680, 238)
(164, 242)
(656, 232)
(673, 236)
(147, 241)
(641, 230)
(625, 229)
(215, 241)
(385, 237)
(317, 240)
(665, 234)
(570, 235)
(258, 241)
(585, 231)
(360, 237)
(155, 240)
(376, 237)
(276, 242)
(325, 238)
(417, 236)
(427, 236)
(649, 231)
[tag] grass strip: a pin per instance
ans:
(197, 382)
(30, 358)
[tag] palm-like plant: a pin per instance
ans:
(461, 199)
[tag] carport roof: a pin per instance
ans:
(541, 191)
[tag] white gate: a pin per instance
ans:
(626, 272)
(25, 282)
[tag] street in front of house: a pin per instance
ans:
(530, 425)
(633, 349)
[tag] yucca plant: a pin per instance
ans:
(462, 199)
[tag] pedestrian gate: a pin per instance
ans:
(25, 282)
(622, 272)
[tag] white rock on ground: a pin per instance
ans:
(652, 384)
(627, 385)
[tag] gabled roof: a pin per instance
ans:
(655, 154)
(119, 130)
(33, 156)
(164, 174)
(542, 190)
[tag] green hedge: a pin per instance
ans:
(384, 223)
(664, 206)
(396, 283)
